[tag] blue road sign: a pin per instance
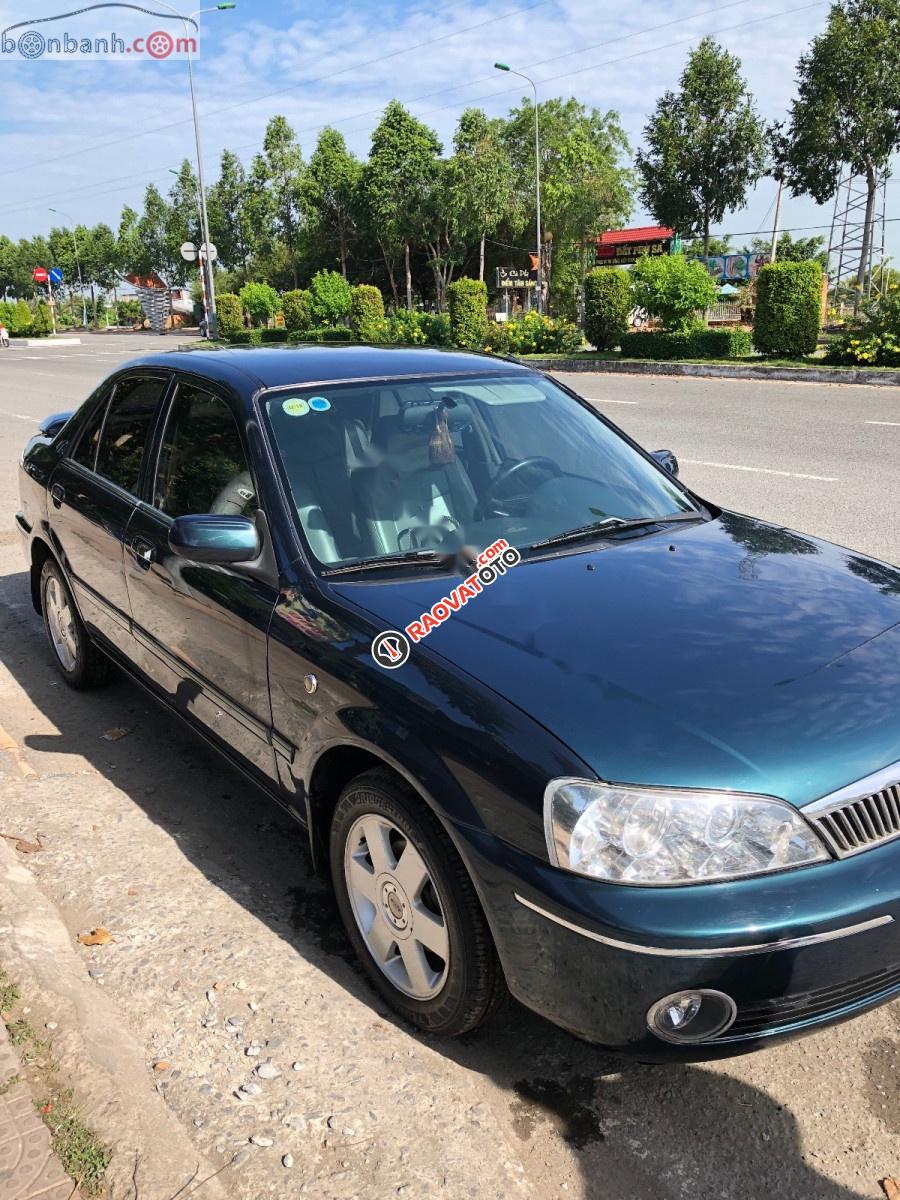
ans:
(56, 275)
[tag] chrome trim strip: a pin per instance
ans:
(795, 943)
(859, 790)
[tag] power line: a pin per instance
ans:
(456, 104)
(268, 95)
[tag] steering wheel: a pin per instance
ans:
(508, 470)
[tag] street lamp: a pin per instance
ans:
(537, 175)
(59, 212)
(211, 324)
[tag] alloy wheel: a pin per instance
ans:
(396, 906)
(61, 623)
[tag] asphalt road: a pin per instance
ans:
(520, 1109)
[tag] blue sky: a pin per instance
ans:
(88, 137)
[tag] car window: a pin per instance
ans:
(459, 460)
(202, 465)
(127, 430)
(86, 450)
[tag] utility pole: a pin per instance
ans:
(537, 180)
(774, 246)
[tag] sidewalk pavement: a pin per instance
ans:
(29, 1170)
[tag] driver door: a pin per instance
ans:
(200, 628)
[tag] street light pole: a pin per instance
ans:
(68, 217)
(537, 180)
(205, 265)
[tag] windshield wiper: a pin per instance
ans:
(612, 525)
(377, 562)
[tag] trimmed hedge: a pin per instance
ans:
(692, 343)
(273, 335)
(296, 310)
(367, 313)
(246, 337)
(467, 301)
(229, 314)
(326, 333)
(788, 309)
(607, 306)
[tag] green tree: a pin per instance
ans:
(229, 217)
(261, 302)
(705, 145)
(329, 298)
(847, 111)
(154, 249)
(673, 288)
(791, 249)
(478, 185)
(296, 310)
(275, 186)
(584, 186)
(329, 194)
(367, 313)
(129, 250)
(182, 222)
(468, 313)
(399, 180)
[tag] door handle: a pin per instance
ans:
(142, 551)
(57, 494)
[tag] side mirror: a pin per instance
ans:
(666, 460)
(215, 539)
(51, 426)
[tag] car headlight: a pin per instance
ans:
(660, 836)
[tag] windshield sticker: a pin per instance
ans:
(295, 407)
(391, 648)
(319, 404)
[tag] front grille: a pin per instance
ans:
(861, 823)
(770, 1015)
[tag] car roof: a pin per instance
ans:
(279, 366)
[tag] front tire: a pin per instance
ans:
(410, 909)
(81, 664)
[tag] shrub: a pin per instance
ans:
(329, 298)
(21, 318)
(42, 322)
(607, 306)
(672, 288)
(296, 310)
(261, 302)
(229, 314)
(788, 308)
(367, 313)
(872, 340)
(273, 335)
(128, 311)
(467, 301)
(411, 328)
(534, 334)
(322, 333)
(246, 337)
(691, 343)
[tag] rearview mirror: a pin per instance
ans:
(666, 460)
(211, 538)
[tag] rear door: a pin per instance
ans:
(93, 492)
(201, 628)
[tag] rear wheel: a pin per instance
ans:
(410, 909)
(80, 662)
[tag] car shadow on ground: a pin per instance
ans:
(634, 1131)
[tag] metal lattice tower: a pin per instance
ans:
(848, 223)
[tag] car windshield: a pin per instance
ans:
(377, 469)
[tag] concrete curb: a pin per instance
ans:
(51, 342)
(98, 1058)
(717, 371)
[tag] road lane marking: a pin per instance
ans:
(19, 416)
(699, 462)
(897, 423)
(605, 400)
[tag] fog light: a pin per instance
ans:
(694, 1016)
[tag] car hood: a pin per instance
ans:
(731, 654)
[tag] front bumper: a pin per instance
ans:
(795, 950)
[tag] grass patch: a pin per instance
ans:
(21, 1031)
(83, 1158)
(9, 993)
(753, 360)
